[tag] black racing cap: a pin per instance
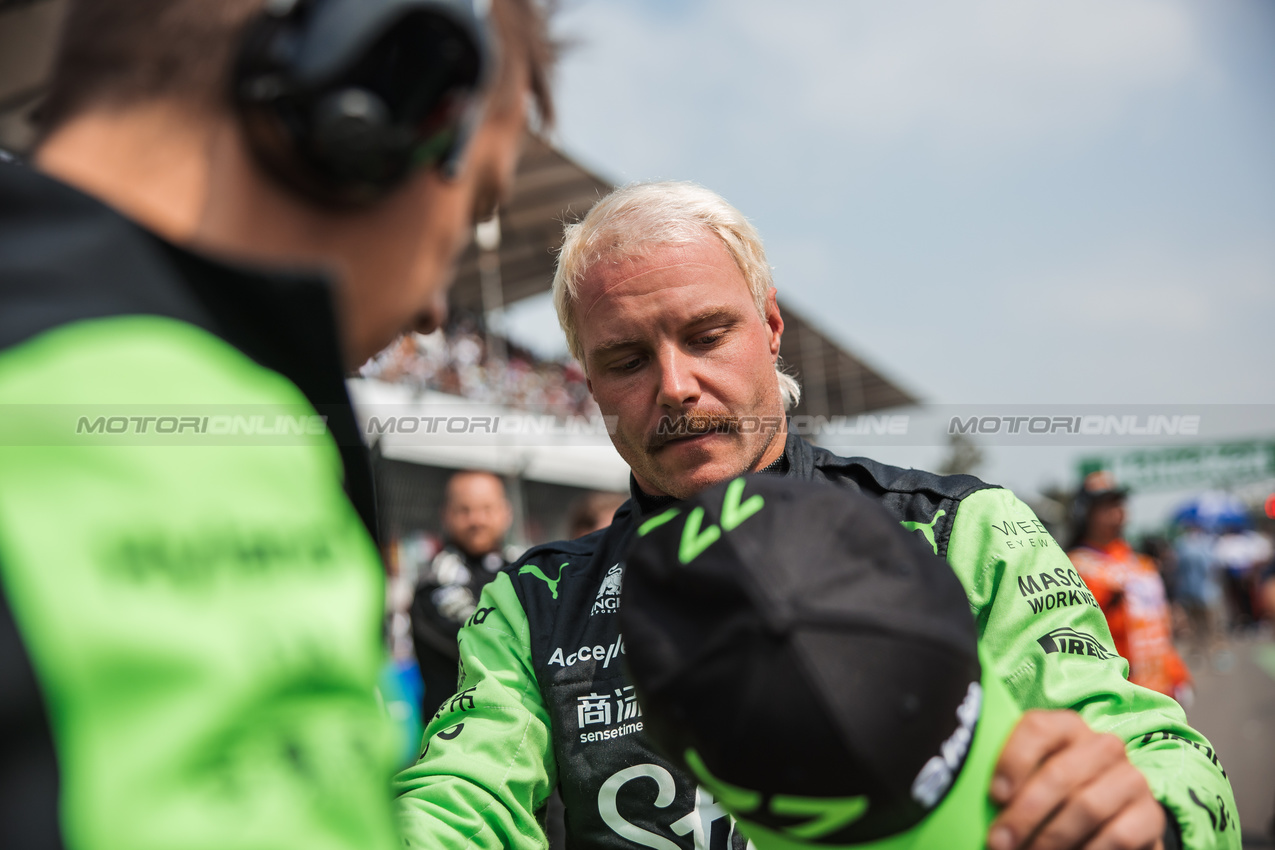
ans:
(815, 666)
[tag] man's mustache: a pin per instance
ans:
(690, 424)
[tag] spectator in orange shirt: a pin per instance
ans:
(1128, 587)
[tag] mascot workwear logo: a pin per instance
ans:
(533, 570)
(1072, 642)
(926, 529)
(608, 601)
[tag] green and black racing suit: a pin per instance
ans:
(544, 699)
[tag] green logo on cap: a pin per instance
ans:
(827, 814)
(695, 541)
(656, 521)
(733, 513)
(696, 538)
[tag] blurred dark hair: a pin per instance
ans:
(118, 53)
(471, 473)
(590, 511)
(1081, 509)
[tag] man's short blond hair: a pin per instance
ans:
(633, 220)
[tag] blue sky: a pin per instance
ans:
(992, 201)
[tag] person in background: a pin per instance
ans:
(1242, 553)
(476, 518)
(1199, 594)
(1165, 558)
(592, 512)
(1127, 587)
(1266, 591)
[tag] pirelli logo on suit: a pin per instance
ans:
(1072, 642)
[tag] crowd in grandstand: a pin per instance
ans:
(465, 359)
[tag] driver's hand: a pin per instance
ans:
(1064, 785)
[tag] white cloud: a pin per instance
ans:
(967, 75)
(1144, 323)
(1149, 289)
(935, 177)
(991, 70)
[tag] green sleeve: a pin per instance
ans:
(1053, 649)
(202, 612)
(487, 768)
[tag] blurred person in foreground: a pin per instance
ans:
(1127, 587)
(666, 299)
(476, 517)
(232, 205)
(592, 512)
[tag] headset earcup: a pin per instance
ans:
(349, 130)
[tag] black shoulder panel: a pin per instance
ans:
(882, 478)
(922, 501)
(66, 257)
(28, 760)
(559, 585)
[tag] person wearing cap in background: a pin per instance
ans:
(476, 517)
(1127, 587)
(667, 301)
(232, 204)
(838, 646)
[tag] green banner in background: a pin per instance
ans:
(1216, 464)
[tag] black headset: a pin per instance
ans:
(344, 99)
